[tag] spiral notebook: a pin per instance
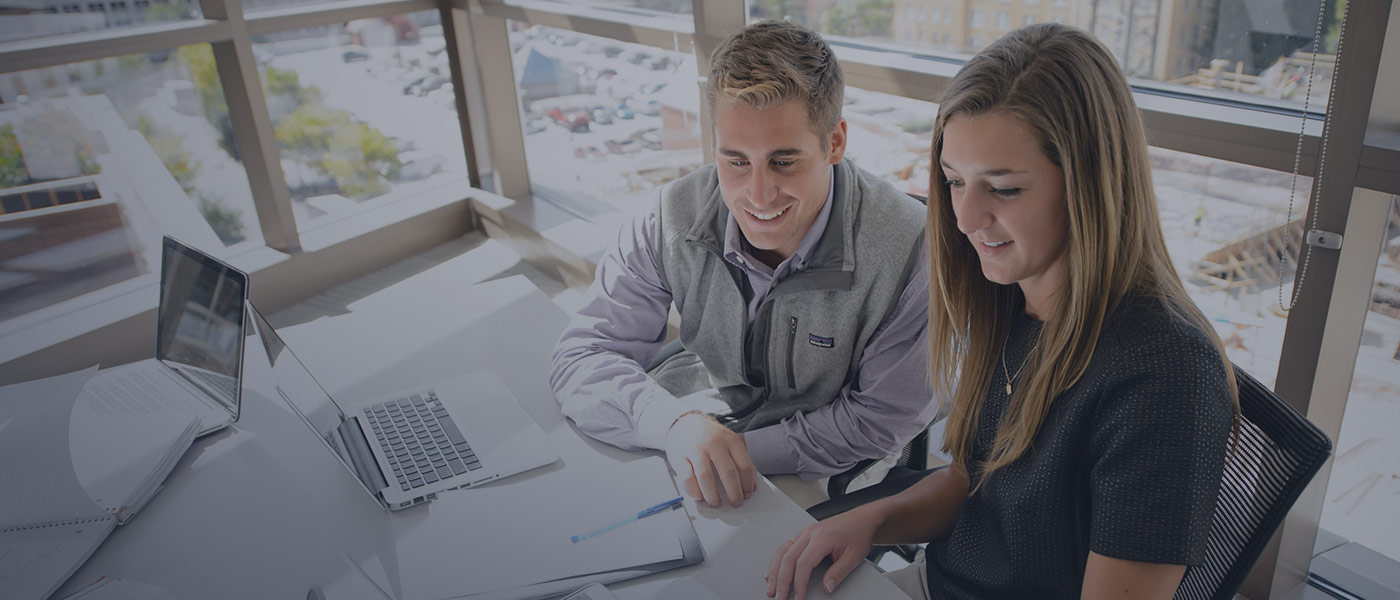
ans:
(71, 470)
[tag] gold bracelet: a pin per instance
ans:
(684, 415)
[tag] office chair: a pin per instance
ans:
(1278, 453)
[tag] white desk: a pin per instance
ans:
(263, 511)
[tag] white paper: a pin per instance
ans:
(686, 588)
(481, 540)
(35, 561)
(121, 589)
(37, 483)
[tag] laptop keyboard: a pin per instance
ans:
(224, 386)
(420, 439)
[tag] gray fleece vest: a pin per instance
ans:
(811, 330)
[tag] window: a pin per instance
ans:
(1365, 478)
(605, 122)
(1223, 223)
(1003, 20)
(364, 114)
(93, 171)
(889, 136)
(977, 19)
(1027, 19)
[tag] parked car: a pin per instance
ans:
(573, 119)
(353, 55)
(602, 116)
(590, 153)
(622, 112)
(625, 146)
(650, 138)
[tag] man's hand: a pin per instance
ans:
(710, 456)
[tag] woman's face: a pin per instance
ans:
(1009, 200)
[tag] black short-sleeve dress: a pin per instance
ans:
(1126, 464)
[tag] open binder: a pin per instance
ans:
(72, 468)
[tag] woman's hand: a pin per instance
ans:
(846, 538)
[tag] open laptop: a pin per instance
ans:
(200, 324)
(406, 448)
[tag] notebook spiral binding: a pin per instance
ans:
(64, 523)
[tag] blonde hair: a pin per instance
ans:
(1068, 89)
(771, 62)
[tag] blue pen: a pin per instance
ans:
(662, 507)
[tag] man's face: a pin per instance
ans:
(774, 172)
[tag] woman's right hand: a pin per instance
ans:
(846, 538)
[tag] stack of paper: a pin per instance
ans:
(70, 471)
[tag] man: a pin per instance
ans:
(799, 279)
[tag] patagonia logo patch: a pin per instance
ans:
(819, 341)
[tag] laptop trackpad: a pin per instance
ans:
(490, 414)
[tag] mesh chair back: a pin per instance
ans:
(1278, 453)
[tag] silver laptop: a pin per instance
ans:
(200, 322)
(406, 448)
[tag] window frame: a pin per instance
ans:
(1254, 132)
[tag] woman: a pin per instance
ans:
(1095, 404)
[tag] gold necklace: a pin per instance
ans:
(1010, 377)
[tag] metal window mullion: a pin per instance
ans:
(252, 127)
(714, 19)
(465, 80)
(491, 46)
(62, 50)
(1284, 564)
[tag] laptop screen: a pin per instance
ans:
(300, 390)
(199, 324)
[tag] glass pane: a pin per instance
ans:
(607, 123)
(1365, 485)
(890, 136)
(26, 20)
(363, 112)
(639, 7)
(1224, 225)
(98, 159)
(1204, 44)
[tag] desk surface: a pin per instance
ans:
(261, 510)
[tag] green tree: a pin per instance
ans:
(171, 151)
(796, 10)
(357, 156)
(361, 158)
(204, 73)
(12, 171)
(226, 222)
(170, 11)
(281, 82)
(862, 18)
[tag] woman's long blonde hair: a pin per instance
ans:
(1069, 90)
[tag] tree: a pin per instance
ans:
(357, 156)
(862, 18)
(170, 11)
(281, 82)
(360, 159)
(795, 10)
(12, 171)
(226, 222)
(171, 151)
(204, 74)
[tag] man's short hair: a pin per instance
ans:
(770, 62)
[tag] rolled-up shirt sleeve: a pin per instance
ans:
(598, 370)
(888, 402)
